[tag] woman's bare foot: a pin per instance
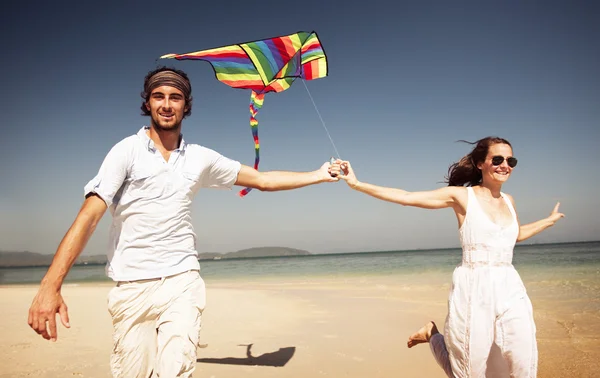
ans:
(423, 335)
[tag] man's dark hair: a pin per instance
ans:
(145, 94)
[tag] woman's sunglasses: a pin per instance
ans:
(511, 161)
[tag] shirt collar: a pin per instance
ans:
(149, 143)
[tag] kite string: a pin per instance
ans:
(321, 118)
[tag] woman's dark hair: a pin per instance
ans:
(465, 171)
(145, 94)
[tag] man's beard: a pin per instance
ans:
(175, 128)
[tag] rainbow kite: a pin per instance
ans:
(268, 65)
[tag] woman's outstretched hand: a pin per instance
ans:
(555, 215)
(348, 174)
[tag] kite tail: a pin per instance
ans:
(256, 102)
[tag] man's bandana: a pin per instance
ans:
(171, 79)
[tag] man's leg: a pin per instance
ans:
(134, 335)
(179, 325)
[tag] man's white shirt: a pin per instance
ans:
(150, 200)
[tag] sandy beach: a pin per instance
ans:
(331, 327)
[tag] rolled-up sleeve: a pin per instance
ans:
(221, 173)
(111, 175)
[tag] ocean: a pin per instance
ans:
(559, 264)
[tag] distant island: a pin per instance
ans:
(33, 259)
(254, 252)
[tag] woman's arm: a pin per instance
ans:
(531, 229)
(433, 199)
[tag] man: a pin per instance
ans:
(148, 181)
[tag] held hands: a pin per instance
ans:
(335, 169)
(347, 173)
(46, 304)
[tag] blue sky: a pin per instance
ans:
(406, 81)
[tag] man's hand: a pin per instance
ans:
(46, 304)
(329, 172)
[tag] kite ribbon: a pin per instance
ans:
(256, 102)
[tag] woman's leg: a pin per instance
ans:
(430, 334)
(516, 337)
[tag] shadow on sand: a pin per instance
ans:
(275, 359)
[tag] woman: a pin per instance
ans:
(488, 303)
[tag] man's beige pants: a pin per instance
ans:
(156, 326)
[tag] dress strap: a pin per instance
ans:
(510, 205)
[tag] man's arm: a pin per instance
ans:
(48, 301)
(282, 180)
